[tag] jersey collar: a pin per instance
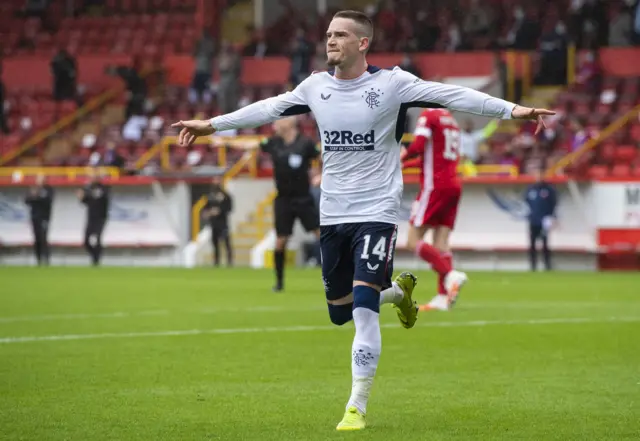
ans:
(370, 69)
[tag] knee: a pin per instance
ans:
(340, 314)
(366, 296)
(281, 243)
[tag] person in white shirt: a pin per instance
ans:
(360, 111)
(472, 139)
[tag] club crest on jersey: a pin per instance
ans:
(371, 97)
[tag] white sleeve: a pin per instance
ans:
(413, 90)
(478, 136)
(265, 111)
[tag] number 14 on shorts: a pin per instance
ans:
(379, 249)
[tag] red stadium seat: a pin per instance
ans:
(626, 154)
(607, 152)
(598, 171)
(621, 170)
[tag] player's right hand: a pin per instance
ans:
(521, 112)
(191, 130)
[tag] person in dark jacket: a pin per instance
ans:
(96, 197)
(136, 87)
(64, 70)
(219, 206)
(4, 127)
(542, 199)
(40, 199)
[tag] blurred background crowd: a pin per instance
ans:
(74, 121)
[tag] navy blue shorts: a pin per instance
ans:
(358, 251)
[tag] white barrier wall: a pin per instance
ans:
(146, 221)
(149, 225)
(492, 217)
(492, 232)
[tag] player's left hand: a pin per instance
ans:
(520, 112)
(190, 130)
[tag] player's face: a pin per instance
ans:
(343, 43)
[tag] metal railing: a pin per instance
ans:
(64, 172)
(569, 158)
(247, 159)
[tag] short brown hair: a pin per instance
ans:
(361, 18)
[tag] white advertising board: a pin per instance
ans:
(618, 205)
(138, 216)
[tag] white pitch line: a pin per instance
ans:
(287, 309)
(48, 317)
(186, 332)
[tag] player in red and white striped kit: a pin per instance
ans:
(437, 145)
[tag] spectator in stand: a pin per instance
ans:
(36, 8)
(589, 75)
(408, 65)
(204, 55)
(111, 157)
(427, 31)
(526, 30)
(386, 18)
(4, 127)
(553, 57)
(620, 26)
(451, 32)
(477, 21)
(579, 135)
(64, 71)
(636, 25)
(230, 69)
(509, 158)
(301, 52)
(136, 87)
(258, 47)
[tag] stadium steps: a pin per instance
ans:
(56, 150)
(29, 161)
(58, 147)
(250, 232)
(112, 114)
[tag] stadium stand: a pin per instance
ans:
(129, 27)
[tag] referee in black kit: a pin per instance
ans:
(292, 154)
(96, 197)
(40, 199)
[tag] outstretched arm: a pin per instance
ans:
(253, 115)
(411, 89)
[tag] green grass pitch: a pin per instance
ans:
(171, 354)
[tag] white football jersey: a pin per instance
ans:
(361, 122)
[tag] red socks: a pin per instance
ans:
(448, 258)
(440, 262)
